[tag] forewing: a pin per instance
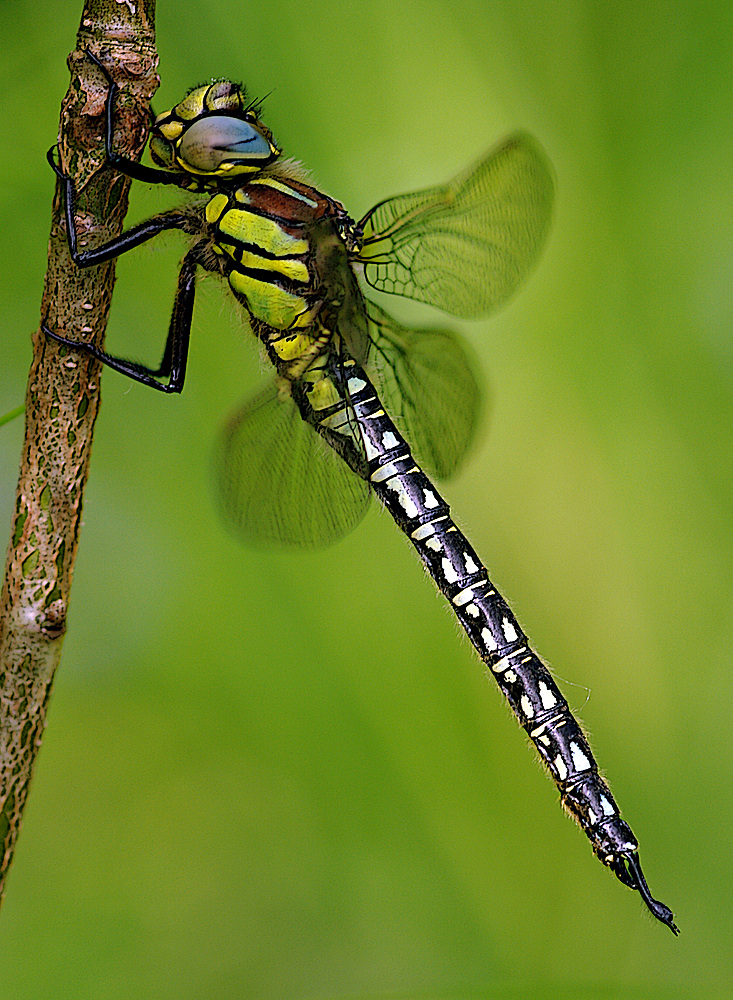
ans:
(465, 246)
(279, 482)
(428, 384)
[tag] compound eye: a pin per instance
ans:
(210, 142)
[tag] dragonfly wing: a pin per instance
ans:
(467, 245)
(280, 484)
(429, 387)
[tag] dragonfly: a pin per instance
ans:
(300, 461)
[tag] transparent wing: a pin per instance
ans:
(427, 383)
(465, 246)
(280, 484)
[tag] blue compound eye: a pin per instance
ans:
(210, 142)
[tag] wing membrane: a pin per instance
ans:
(427, 382)
(279, 483)
(465, 246)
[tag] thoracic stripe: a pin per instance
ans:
(252, 229)
(268, 301)
(288, 267)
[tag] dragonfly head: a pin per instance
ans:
(213, 133)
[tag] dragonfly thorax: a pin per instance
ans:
(280, 246)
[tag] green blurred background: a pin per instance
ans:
(286, 775)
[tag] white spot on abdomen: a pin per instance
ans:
(403, 497)
(580, 761)
(548, 698)
(471, 566)
(562, 771)
(449, 573)
(489, 640)
(526, 706)
(510, 633)
(463, 597)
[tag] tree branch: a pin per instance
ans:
(63, 398)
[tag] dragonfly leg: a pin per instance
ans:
(133, 237)
(175, 353)
(138, 171)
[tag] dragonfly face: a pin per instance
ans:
(212, 134)
(289, 253)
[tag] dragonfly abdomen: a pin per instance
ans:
(542, 711)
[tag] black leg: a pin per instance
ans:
(175, 354)
(130, 239)
(138, 234)
(137, 171)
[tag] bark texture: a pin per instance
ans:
(62, 399)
